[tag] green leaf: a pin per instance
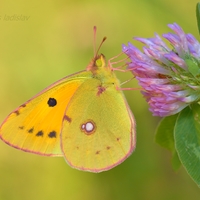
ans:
(198, 15)
(165, 137)
(187, 140)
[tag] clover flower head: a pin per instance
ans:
(170, 77)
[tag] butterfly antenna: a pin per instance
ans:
(94, 42)
(103, 40)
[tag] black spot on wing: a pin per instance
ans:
(40, 133)
(31, 130)
(52, 134)
(52, 102)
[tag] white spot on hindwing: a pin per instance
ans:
(88, 127)
(83, 126)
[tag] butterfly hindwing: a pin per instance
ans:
(100, 134)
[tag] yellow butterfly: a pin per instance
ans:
(83, 117)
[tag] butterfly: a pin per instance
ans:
(83, 117)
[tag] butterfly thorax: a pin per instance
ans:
(103, 72)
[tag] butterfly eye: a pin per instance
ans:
(52, 102)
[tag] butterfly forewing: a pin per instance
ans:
(35, 126)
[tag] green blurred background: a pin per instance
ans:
(57, 40)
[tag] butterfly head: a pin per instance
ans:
(100, 61)
(97, 63)
(100, 70)
(98, 67)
